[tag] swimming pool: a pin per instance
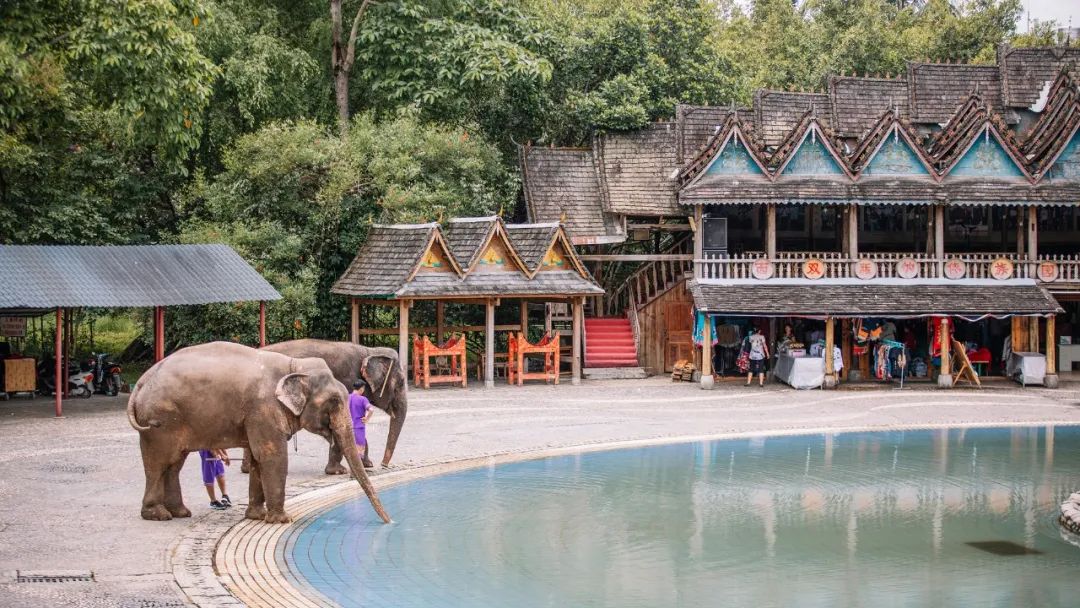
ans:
(916, 518)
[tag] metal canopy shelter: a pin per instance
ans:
(39, 279)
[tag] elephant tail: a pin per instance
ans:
(131, 413)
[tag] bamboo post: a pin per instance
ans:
(403, 332)
(262, 323)
(1051, 378)
(354, 324)
(489, 344)
(61, 382)
(830, 365)
(945, 379)
(770, 231)
(707, 382)
(575, 361)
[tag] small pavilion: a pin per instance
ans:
(36, 280)
(478, 261)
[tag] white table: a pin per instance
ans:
(1067, 355)
(1026, 368)
(800, 372)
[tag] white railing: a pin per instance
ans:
(890, 265)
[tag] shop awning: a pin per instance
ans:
(875, 300)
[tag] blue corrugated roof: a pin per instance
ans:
(51, 276)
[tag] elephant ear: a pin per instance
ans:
(386, 375)
(292, 391)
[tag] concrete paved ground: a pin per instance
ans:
(70, 488)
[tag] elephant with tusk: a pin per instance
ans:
(379, 367)
(225, 395)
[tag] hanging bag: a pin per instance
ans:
(743, 362)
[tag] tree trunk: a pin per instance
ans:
(342, 55)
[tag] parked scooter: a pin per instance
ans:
(80, 383)
(106, 374)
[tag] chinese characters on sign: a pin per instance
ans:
(865, 269)
(762, 269)
(813, 268)
(1001, 269)
(907, 268)
(13, 327)
(955, 269)
(1048, 271)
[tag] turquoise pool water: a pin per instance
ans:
(854, 519)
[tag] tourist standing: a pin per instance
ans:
(213, 469)
(360, 410)
(759, 351)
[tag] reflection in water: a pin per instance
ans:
(828, 520)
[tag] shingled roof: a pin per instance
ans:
(856, 103)
(466, 236)
(637, 170)
(63, 276)
(562, 185)
(1014, 298)
(937, 89)
(386, 260)
(1027, 72)
(532, 241)
(777, 113)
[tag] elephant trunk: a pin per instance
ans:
(344, 438)
(400, 410)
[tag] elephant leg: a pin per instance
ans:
(156, 468)
(245, 466)
(274, 468)
(333, 461)
(174, 499)
(255, 509)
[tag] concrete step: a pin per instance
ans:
(614, 373)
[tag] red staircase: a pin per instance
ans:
(609, 342)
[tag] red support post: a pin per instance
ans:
(159, 333)
(262, 324)
(61, 382)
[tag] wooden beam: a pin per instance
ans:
(575, 361)
(403, 334)
(637, 257)
(664, 227)
(354, 324)
(489, 345)
(770, 231)
(61, 381)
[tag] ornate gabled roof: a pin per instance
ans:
(973, 120)
(1056, 125)
(887, 124)
(1027, 72)
(808, 128)
(936, 89)
(778, 112)
(389, 256)
(698, 124)
(467, 236)
(534, 241)
(857, 102)
(731, 131)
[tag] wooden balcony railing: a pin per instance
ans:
(871, 266)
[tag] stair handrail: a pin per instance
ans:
(630, 293)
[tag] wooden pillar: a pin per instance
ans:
(770, 231)
(577, 327)
(262, 324)
(845, 347)
(853, 231)
(939, 239)
(440, 320)
(61, 381)
(403, 334)
(489, 344)
(707, 382)
(1051, 378)
(354, 322)
(159, 333)
(945, 379)
(830, 364)
(1020, 232)
(699, 240)
(1032, 233)
(525, 317)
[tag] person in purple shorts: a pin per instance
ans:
(213, 468)
(360, 409)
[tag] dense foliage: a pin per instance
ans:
(127, 121)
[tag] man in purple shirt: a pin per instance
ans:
(360, 410)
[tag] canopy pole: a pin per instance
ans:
(707, 381)
(262, 323)
(944, 379)
(159, 333)
(830, 364)
(60, 380)
(1051, 378)
(489, 345)
(575, 342)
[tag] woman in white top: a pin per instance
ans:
(758, 350)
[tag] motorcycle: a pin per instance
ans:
(79, 382)
(107, 379)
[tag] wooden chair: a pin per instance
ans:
(424, 350)
(548, 346)
(962, 366)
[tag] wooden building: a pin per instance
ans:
(478, 261)
(947, 190)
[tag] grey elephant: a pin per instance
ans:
(225, 395)
(379, 367)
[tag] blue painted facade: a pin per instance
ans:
(734, 159)
(895, 157)
(813, 158)
(986, 158)
(1067, 165)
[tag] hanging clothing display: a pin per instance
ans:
(699, 328)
